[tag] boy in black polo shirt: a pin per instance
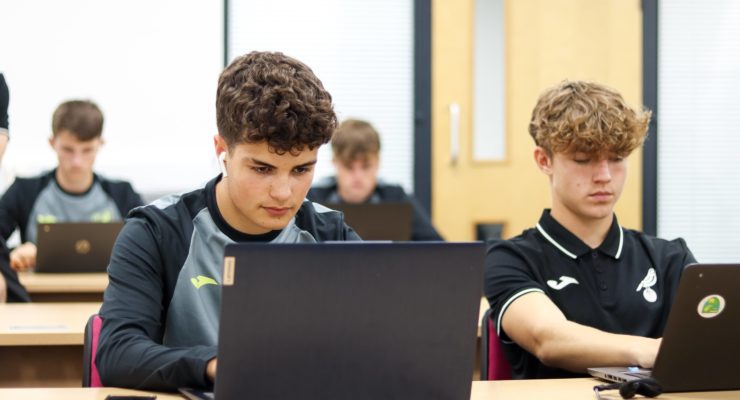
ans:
(578, 290)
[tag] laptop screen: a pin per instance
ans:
(75, 246)
(378, 221)
(349, 320)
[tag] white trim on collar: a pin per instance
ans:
(621, 242)
(556, 244)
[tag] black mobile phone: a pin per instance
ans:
(130, 397)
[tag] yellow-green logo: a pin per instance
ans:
(201, 280)
(102, 217)
(46, 219)
(711, 306)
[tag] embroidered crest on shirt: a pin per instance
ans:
(646, 286)
(564, 281)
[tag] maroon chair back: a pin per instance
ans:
(90, 375)
(494, 365)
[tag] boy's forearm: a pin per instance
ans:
(577, 347)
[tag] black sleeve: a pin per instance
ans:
(123, 195)
(317, 194)
(4, 103)
(325, 226)
(16, 292)
(131, 199)
(350, 235)
(674, 257)
(507, 276)
(11, 210)
(130, 352)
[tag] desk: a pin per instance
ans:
(77, 287)
(78, 394)
(570, 389)
(48, 338)
(563, 389)
(41, 343)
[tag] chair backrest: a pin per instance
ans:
(494, 365)
(90, 376)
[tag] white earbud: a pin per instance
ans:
(222, 163)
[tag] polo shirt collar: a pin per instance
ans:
(574, 247)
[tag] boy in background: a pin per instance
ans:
(356, 149)
(71, 192)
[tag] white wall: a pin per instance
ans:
(699, 126)
(361, 50)
(152, 67)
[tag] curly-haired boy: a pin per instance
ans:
(578, 290)
(160, 311)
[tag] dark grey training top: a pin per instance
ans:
(161, 308)
(40, 199)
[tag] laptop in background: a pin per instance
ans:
(349, 321)
(75, 246)
(700, 347)
(378, 221)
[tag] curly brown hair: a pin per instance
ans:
(578, 116)
(81, 118)
(355, 139)
(264, 96)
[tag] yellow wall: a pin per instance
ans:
(546, 41)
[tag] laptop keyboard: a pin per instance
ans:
(642, 374)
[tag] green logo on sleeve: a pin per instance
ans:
(201, 280)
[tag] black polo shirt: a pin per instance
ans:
(624, 286)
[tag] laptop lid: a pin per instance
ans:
(75, 246)
(700, 346)
(349, 321)
(378, 221)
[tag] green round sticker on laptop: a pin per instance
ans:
(711, 306)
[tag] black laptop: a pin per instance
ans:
(701, 341)
(378, 221)
(349, 321)
(75, 246)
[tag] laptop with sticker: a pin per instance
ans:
(700, 345)
(75, 246)
(378, 221)
(349, 321)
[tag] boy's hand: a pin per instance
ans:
(23, 257)
(211, 369)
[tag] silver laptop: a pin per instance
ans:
(75, 246)
(349, 321)
(701, 341)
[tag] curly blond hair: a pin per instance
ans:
(587, 117)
